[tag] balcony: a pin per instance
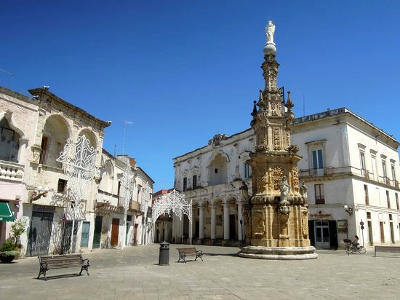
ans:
(11, 171)
(134, 205)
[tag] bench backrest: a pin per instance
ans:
(187, 250)
(387, 248)
(61, 261)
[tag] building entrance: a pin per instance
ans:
(97, 231)
(322, 234)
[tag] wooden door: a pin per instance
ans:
(40, 233)
(382, 233)
(114, 232)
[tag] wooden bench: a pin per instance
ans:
(391, 249)
(184, 252)
(62, 261)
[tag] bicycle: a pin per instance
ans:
(352, 248)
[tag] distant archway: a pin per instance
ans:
(173, 203)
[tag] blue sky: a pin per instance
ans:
(183, 71)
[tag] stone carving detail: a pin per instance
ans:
(262, 179)
(277, 139)
(259, 224)
(216, 140)
(295, 180)
(303, 193)
(36, 153)
(277, 174)
(304, 223)
(283, 204)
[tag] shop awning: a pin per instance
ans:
(5, 212)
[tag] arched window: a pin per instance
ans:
(9, 142)
(218, 170)
(55, 135)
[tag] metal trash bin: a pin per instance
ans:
(164, 254)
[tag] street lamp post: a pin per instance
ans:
(362, 231)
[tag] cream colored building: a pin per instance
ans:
(346, 161)
(34, 131)
(110, 229)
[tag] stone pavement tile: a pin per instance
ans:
(132, 273)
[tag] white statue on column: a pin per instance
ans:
(270, 47)
(270, 30)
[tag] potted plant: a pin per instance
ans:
(12, 246)
(8, 251)
(17, 229)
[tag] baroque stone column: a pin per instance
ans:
(201, 220)
(213, 219)
(240, 221)
(277, 209)
(226, 219)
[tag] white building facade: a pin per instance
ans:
(350, 168)
(34, 130)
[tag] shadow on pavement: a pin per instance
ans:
(58, 276)
(220, 254)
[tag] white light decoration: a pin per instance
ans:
(79, 164)
(146, 199)
(173, 203)
(127, 185)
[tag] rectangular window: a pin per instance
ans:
(194, 181)
(368, 215)
(45, 142)
(384, 173)
(62, 184)
(317, 159)
(388, 199)
(366, 194)
(138, 194)
(119, 188)
(247, 170)
(397, 200)
(373, 166)
(319, 194)
(184, 183)
(393, 174)
(362, 163)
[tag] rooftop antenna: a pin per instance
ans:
(126, 123)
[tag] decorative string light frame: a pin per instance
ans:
(79, 164)
(173, 203)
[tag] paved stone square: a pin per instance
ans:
(133, 273)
